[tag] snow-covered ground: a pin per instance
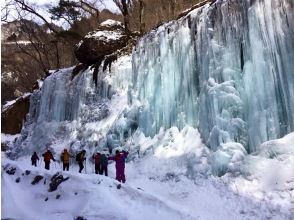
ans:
(158, 186)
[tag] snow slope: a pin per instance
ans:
(167, 178)
(98, 198)
(147, 194)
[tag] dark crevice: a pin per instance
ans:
(79, 68)
(96, 70)
(242, 56)
(108, 61)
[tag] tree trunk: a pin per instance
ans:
(141, 14)
(126, 16)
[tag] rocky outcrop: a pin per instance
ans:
(13, 115)
(108, 38)
(56, 179)
(37, 179)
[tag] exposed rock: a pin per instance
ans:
(37, 179)
(103, 46)
(108, 61)
(12, 116)
(55, 181)
(36, 86)
(17, 180)
(80, 218)
(58, 196)
(46, 199)
(11, 170)
(107, 39)
(78, 68)
(27, 172)
(4, 146)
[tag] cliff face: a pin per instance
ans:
(13, 116)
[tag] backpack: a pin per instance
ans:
(78, 156)
(103, 160)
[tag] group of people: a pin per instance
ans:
(100, 161)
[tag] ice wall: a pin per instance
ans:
(68, 112)
(227, 69)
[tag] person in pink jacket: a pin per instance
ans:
(119, 159)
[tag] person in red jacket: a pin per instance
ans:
(119, 159)
(47, 157)
(96, 157)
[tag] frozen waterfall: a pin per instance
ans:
(227, 69)
(75, 113)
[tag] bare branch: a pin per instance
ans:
(25, 7)
(89, 8)
(6, 10)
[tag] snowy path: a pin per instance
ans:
(87, 195)
(142, 197)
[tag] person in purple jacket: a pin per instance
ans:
(119, 159)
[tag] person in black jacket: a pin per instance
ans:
(34, 159)
(103, 164)
(80, 159)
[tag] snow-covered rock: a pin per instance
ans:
(111, 23)
(108, 38)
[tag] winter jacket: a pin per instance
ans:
(119, 160)
(96, 157)
(103, 160)
(65, 156)
(48, 156)
(34, 157)
(81, 157)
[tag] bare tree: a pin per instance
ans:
(6, 10)
(141, 16)
(90, 8)
(21, 5)
(124, 6)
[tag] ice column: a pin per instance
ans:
(226, 69)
